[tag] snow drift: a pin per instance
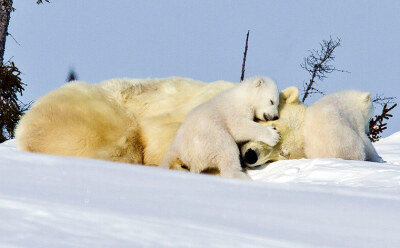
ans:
(52, 201)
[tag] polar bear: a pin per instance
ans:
(133, 120)
(336, 126)
(123, 120)
(289, 124)
(209, 134)
(160, 105)
(81, 120)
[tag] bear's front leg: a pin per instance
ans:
(246, 130)
(229, 165)
(234, 173)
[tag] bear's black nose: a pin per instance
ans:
(250, 156)
(275, 118)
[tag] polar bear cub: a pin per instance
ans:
(208, 136)
(336, 126)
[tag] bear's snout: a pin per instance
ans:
(270, 118)
(250, 156)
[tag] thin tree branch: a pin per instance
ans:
(382, 100)
(13, 38)
(317, 65)
(244, 56)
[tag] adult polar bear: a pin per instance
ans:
(125, 120)
(134, 120)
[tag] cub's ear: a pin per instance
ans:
(290, 95)
(255, 82)
(366, 97)
(258, 82)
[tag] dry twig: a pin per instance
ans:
(244, 56)
(382, 100)
(317, 64)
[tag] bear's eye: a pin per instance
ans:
(272, 102)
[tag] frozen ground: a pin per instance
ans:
(51, 201)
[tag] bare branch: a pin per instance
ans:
(244, 56)
(317, 65)
(13, 39)
(382, 100)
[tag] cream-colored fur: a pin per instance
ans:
(158, 130)
(209, 134)
(135, 120)
(147, 98)
(291, 145)
(126, 120)
(335, 126)
(80, 120)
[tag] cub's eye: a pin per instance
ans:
(272, 102)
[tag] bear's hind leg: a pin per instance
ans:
(370, 152)
(173, 162)
(231, 167)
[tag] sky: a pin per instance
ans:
(205, 40)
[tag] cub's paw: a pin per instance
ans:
(273, 137)
(235, 174)
(241, 175)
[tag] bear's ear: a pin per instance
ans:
(255, 82)
(366, 97)
(258, 82)
(290, 95)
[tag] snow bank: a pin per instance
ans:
(374, 176)
(52, 201)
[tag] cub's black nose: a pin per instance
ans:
(250, 156)
(275, 118)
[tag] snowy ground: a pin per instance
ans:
(51, 201)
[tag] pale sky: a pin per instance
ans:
(204, 40)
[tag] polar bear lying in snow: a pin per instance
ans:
(209, 134)
(336, 126)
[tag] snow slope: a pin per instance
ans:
(52, 201)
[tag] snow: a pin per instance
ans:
(53, 201)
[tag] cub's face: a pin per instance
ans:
(265, 98)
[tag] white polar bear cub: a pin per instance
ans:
(336, 126)
(208, 136)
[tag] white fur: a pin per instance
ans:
(209, 134)
(335, 126)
